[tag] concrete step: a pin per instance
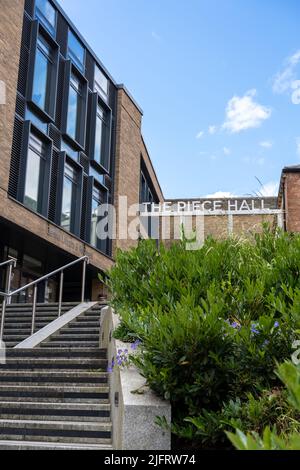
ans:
(57, 353)
(64, 344)
(55, 393)
(75, 337)
(84, 363)
(39, 411)
(54, 431)
(30, 445)
(79, 330)
(44, 377)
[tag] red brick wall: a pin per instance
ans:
(292, 201)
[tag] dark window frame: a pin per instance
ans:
(104, 96)
(69, 70)
(64, 159)
(28, 129)
(46, 24)
(36, 31)
(103, 245)
(98, 100)
(71, 56)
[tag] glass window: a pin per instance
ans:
(101, 83)
(97, 200)
(75, 108)
(46, 14)
(76, 51)
(42, 75)
(101, 134)
(34, 173)
(69, 198)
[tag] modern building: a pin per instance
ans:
(71, 142)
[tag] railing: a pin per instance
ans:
(8, 294)
(9, 264)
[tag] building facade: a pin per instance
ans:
(71, 143)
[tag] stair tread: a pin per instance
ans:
(55, 423)
(54, 446)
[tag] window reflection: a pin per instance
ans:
(46, 14)
(34, 173)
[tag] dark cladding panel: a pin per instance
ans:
(24, 56)
(15, 159)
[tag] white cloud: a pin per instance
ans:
(269, 189)
(212, 130)
(244, 113)
(266, 144)
(226, 151)
(283, 80)
(200, 135)
(220, 195)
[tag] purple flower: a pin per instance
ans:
(276, 324)
(136, 344)
(254, 329)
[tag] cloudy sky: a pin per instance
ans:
(218, 80)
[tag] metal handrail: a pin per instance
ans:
(11, 261)
(8, 294)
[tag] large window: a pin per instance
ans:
(101, 83)
(101, 137)
(97, 201)
(75, 108)
(35, 173)
(46, 14)
(70, 188)
(76, 51)
(41, 93)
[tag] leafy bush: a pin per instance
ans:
(286, 439)
(213, 323)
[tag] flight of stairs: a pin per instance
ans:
(56, 396)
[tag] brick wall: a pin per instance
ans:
(291, 195)
(11, 20)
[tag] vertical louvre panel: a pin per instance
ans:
(15, 158)
(89, 69)
(62, 34)
(53, 185)
(20, 106)
(24, 56)
(29, 7)
(55, 135)
(84, 162)
(84, 208)
(60, 91)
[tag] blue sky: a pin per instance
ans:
(217, 80)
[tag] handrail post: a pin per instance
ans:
(34, 309)
(2, 318)
(83, 280)
(8, 280)
(61, 285)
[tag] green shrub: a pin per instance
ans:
(213, 323)
(281, 437)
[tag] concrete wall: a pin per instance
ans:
(133, 415)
